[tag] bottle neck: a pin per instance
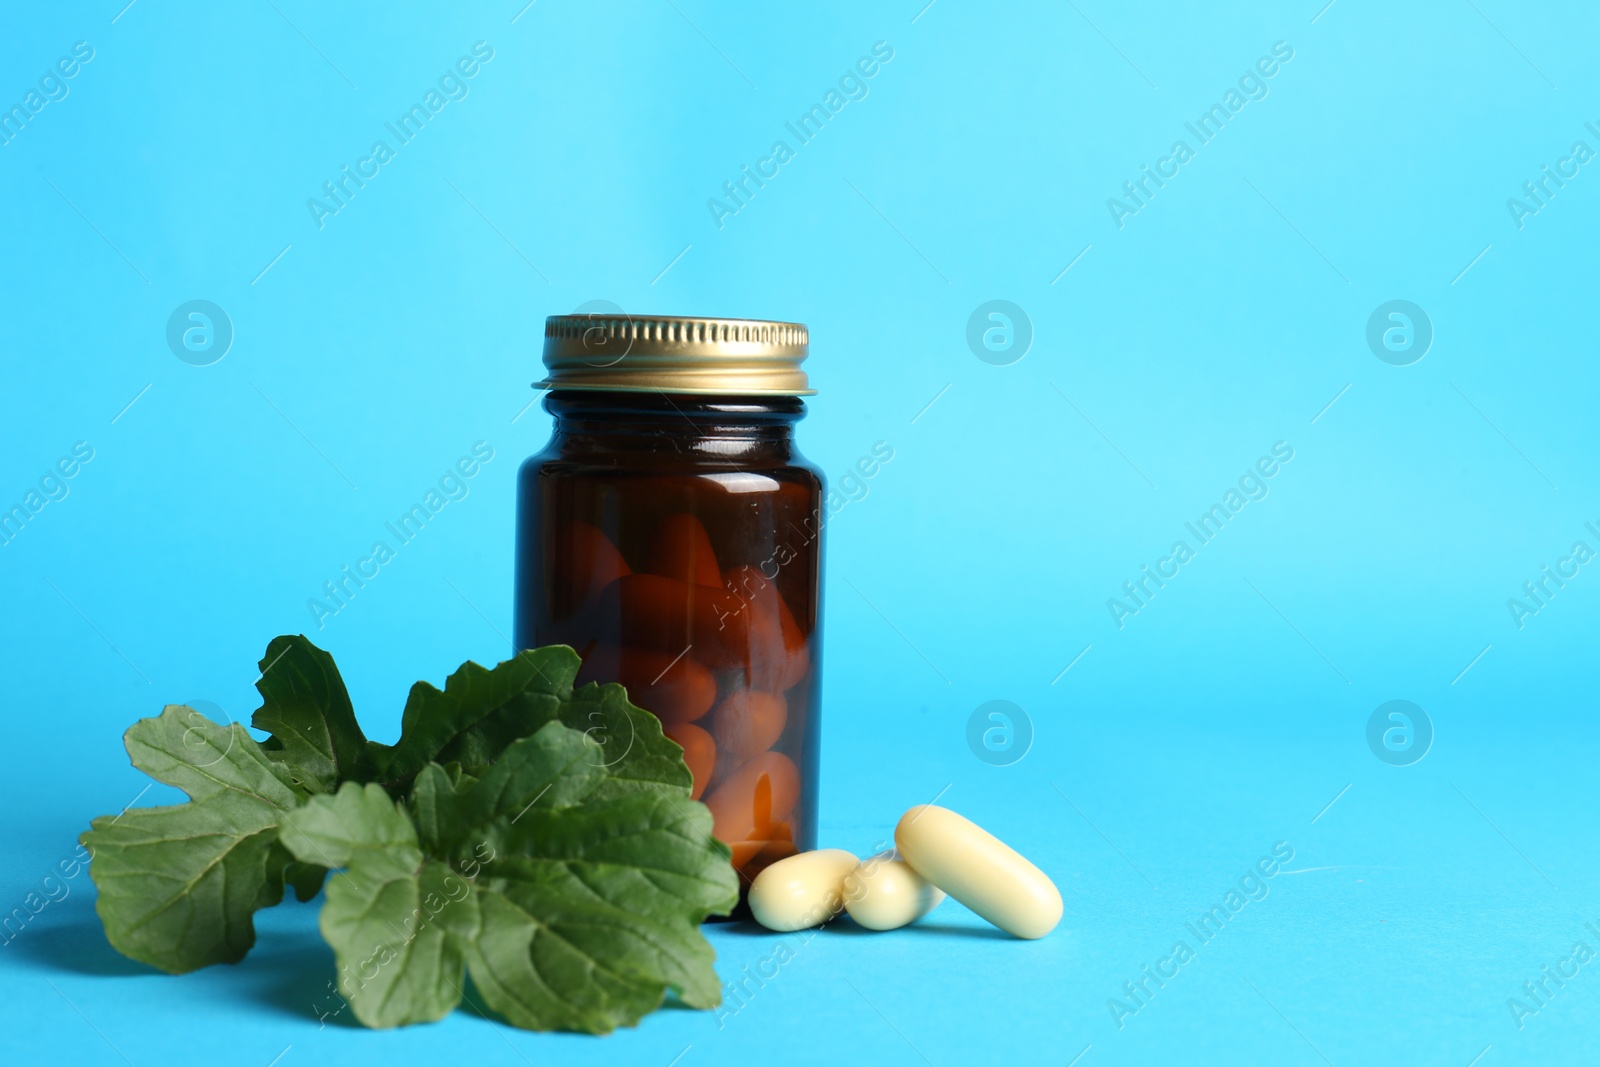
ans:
(719, 429)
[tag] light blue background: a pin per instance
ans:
(1224, 317)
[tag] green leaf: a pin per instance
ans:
(649, 854)
(628, 742)
(307, 879)
(481, 711)
(435, 806)
(307, 711)
(178, 885)
(555, 768)
(595, 913)
(398, 922)
(572, 908)
(330, 829)
(539, 837)
(537, 979)
(516, 698)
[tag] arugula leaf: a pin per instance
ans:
(481, 711)
(306, 878)
(397, 921)
(595, 913)
(536, 837)
(178, 885)
(435, 805)
(571, 908)
(448, 725)
(307, 711)
(553, 768)
(628, 742)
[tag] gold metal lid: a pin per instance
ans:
(675, 354)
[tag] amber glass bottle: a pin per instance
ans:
(671, 534)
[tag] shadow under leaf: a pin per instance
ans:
(69, 937)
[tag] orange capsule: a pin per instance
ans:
(673, 688)
(750, 807)
(748, 722)
(593, 563)
(776, 653)
(672, 615)
(699, 752)
(776, 848)
(681, 549)
(753, 857)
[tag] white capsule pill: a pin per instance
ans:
(801, 891)
(978, 869)
(884, 893)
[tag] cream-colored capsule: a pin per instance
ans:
(884, 893)
(978, 869)
(801, 891)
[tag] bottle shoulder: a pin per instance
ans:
(698, 459)
(734, 475)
